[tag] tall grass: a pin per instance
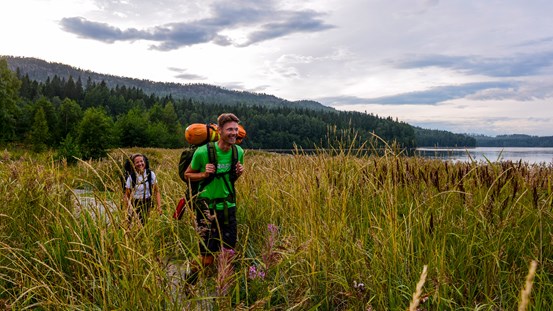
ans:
(329, 231)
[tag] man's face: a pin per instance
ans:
(229, 132)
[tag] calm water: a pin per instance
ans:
(530, 155)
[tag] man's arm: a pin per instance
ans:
(194, 175)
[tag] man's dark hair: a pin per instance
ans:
(226, 117)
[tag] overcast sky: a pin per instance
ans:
(466, 66)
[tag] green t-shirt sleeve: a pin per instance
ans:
(240, 154)
(199, 159)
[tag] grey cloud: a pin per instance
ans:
(295, 23)
(515, 66)
(176, 35)
(222, 40)
(273, 24)
(99, 31)
(186, 76)
(536, 42)
(246, 12)
(189, 76)
(428, 97)
(233, 86)
(487, 125)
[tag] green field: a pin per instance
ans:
(340, 232)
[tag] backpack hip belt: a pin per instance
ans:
(211, 204)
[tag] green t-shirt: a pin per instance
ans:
(216, 189)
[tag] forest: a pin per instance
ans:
(515, 140)
(86, 118)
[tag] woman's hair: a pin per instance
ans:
(226, 117)
(136, 155)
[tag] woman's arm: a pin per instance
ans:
(127, 198)
(157, 194)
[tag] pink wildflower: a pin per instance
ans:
(225, 270)
(253, 273)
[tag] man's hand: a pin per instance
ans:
(210, 168)
(239, 169)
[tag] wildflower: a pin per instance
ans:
(253, 273)
(261, 274)
(269, 255)
(224, 270)
(273, 229)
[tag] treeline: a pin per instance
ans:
(85, 119)
(40, 70)
(515, 140)
(439, 138)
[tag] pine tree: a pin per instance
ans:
(9, 95)
(39, 134)
(95, 133)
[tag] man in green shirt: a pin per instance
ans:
(216, 201)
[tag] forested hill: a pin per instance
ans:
(272, 123)
(439, 138)
(40, 70)
(515, 140)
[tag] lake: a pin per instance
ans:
(530, 155)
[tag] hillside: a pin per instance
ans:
(40, 70)
(514, 140)
(52, 79)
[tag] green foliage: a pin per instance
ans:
(70, 114)
(68, 150)
(52, 119)
(438, 138)
(516, 140)
(9, 95)
(158, 119)
(39, 134)
(95, 133)
(132, 128)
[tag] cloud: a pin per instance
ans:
(189, 76)
(182, 74)
(260, 22)
(536, 42)
(491, 125)
(518, 65)
(292, 22)
(432, 96)
(99, 31)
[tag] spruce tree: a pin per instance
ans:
(39, 134)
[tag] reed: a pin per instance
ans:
(339, 230)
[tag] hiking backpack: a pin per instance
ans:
(197, 186)
(186, 158)
(196, 138)
(129, 170)
(198, 134)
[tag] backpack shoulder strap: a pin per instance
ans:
(149, 173)
(212, 153)
(234, 155)
(234, 161)
(133, 179)
(212, 158)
